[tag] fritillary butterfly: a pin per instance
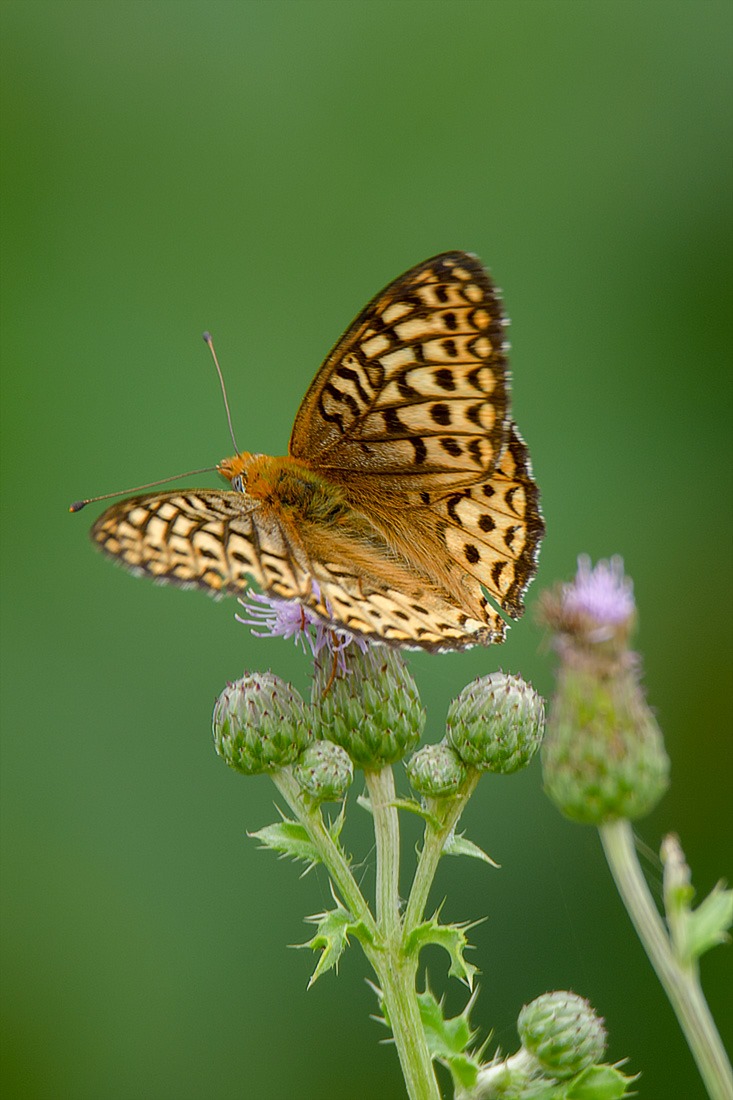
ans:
(405, 499)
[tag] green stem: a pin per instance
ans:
(680, 984)
(382, 945)
(397, 981)
(382, 796)
(449, 814)
(331, 854)
(396, 972)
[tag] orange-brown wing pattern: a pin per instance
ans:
(222, 541)
(493, 528)
(417, 385)
(202, 538)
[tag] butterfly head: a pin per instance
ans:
(235, 470)
(256, 475)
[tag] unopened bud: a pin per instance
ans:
(324, 772)
(496, 723)
(436, 771)
(370, 706)
(563, 1033)
(260, 724)
(603, 757)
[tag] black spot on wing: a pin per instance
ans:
(451, 446)
(440, 413)
(392, 422)
(445, 379)
(352, 376)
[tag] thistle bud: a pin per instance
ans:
(324, 772)
(562, 1032)
(604, 756)
(368, 704)
(436, 771)
(496, 723)
(260, 724)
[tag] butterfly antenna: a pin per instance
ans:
(79, 504)
(210, 343)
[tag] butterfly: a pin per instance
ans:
(406, 502)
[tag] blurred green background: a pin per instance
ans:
(260, 170)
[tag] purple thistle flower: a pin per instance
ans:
(602, 593)
(277, 618)
(596, 609)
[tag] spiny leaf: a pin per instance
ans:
(448, 1040)
(457, 845)
(332, 937)
(602, 1082)
(452, 938)
(365, 802)
(692, 931)
(335, 827)
(412, 807)
(708, 924)
(290, 838)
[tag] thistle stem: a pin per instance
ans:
(433, 844)
(681, 984)
(382, 796)
(397, 980)
(382, 943)
(331, 854)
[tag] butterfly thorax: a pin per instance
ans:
(286, 485)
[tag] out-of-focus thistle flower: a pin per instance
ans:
(436, 771)
(496, 723)
(562, 1032)
(260, 724)
(369, 704)
(324, 772)
(603, 757)
(596, 610)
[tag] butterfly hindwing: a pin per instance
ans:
(493, 528)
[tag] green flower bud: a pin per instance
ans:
(260, 724)
(496, 723)
(324, 772)
(604, 755)
(436, 771)
(370, 706)
(563, 1033)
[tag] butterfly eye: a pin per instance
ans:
(238, 484)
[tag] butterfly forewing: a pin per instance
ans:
(417, 385)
